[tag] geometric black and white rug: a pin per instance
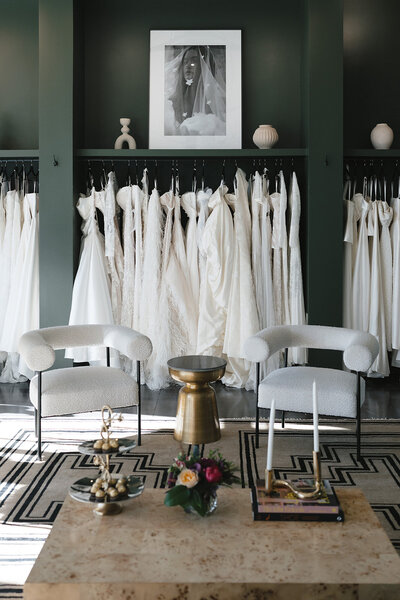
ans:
(32, 493)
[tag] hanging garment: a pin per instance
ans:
(217, 242)
(377, 327)
(20, 307)
(151, 311)
(203, 198)
(138, 198)
(296, 356)
(125, 199)
(385, 217)
(261, 261)
(3, 192)
(105, 201)
(280, 254)
(91, 301)
(350, 250)
(395, 234)
(242, 318)
(10, 248)
(189, 205)
(361, 272)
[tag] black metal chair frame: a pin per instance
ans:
(38, 411)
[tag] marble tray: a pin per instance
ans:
(125, 444)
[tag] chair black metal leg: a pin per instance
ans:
(36, 422)
(39, 416)
(108, 356)
(358, 428)
(283, 419)
(257, 382)
(139, 406)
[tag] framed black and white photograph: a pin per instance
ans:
(195, 89)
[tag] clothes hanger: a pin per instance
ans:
(194, 176)
(155, 173)
(202, 176)
(128, 175)
(223, 173)
(177, 188)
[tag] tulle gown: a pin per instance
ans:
(189, 204)
(91, 299)
(242, 318)
(126, 200)
(217, 242)
(8, 257)
(385, 218)
(203, 197)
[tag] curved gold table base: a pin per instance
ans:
(197, 414)
(107, 509)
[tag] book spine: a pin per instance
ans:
(338, 518)
(298, 509)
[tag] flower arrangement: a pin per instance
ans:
(193, 481)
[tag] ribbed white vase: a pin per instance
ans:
(265, 136)
(382, 136)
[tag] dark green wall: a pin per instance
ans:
(116, 62)
(371, 69)
(19, 74)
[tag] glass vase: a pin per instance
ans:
(212, 506)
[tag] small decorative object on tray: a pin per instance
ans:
(193, 481)
(283, 505)
(107, 488)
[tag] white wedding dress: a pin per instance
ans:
(361, 272)
(152, 313)
(280, 254)
(242, 318)
(203, 197)
(126, 200)
(217, 243)
(377, 327)
(385, 218)
(189, 205)
(91, 300)
(23, 304)
(8, 257)
(297, 356)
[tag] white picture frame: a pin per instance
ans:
(195, 89)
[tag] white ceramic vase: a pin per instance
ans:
(382, 136)
(265, 136)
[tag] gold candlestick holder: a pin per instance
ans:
(271, 483)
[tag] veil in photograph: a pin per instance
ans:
(195, 106)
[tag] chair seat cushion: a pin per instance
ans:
(81, 389)
(292, 389)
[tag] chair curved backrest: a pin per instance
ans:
(360, 348)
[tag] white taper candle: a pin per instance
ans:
(315, 417)
(271, 435)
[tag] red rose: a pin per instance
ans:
(213, 474)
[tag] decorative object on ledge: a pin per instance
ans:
(107, 490)
(265, 136)
(125, 137)
(193, 481)
(382, 136)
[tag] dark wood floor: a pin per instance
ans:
(382, 401)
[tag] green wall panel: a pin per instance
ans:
(115, 63)
(56, 141)
(19, 74)
(371, 69)
(325, 168)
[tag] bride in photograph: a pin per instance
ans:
(195, 92)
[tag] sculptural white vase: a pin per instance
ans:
(125, 137)
(265, 136)
(382, 136)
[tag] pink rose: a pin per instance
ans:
(213, 475)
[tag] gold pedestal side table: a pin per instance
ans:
(197, 414)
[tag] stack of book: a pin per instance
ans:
(282, 504)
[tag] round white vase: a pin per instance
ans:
(382, 136)
(265, 136)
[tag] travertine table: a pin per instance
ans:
(150, 551)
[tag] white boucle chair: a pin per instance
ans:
(82, 389)
(340, 393)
